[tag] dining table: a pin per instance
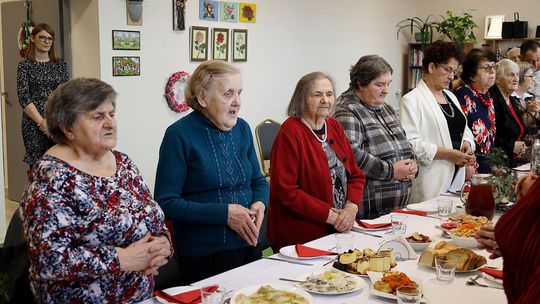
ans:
(270, 270)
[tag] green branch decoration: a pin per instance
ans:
(503, 176)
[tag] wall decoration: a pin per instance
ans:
(493, 27)
(228, 11)
(220, 45)
(239, 45)
(134, 12)
(208, 10)
(126, 40)
(174, 91)
(199, 43)
(248, 12)
(126, 66)
(179, 7)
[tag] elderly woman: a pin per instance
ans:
(510, 127)
(208, 179)
(528, 105)
(316, 186)
(94, 233)
(478, 76)
(434, 123)
(37, 76)
(379, 143)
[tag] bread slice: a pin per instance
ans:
(376, 263)
(428, 257)
(463, 258)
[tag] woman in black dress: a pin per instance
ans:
(37, 76)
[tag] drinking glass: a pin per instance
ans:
(444, 208)
(445, 270)
(212, 297)
(398, 223)
(408, 295)
(344, 242)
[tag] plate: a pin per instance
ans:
(290, 251)
(375, 276)
(252, 289)
(360, 283)
(354, 274)
(457, 271)
(174, 291)
(357, 227)
(428, 207)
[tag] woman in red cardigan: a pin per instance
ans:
(315, 186)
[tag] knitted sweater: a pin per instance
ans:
(201, 171)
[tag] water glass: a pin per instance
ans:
(398, 223)
(444, 208)
(212, 297)
(344, 242)
(408, 294)
(445, 270)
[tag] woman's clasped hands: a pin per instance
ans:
(147, 254)
(405, 170)
(246, 222)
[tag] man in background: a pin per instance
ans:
(530, 52)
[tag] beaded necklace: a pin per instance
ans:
(452, 114)
(486, 101)
(313, 132)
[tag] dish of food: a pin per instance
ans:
(467, 242)
(330, 283)
(271, 294)
(359, 262)
(385, 285)
(465, 259)
(290, 251)
(418, 241)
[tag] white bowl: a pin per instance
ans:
(419, 246)
(467, 242)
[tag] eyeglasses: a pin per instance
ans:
(46, 39)
(528, 76)
(488, 68)
(448, 70)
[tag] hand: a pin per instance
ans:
(461, 159)
(258, 207)
(138, 255)
(405, 170)
(43, 127)
(523, 185)
(346, 217)
(519, 146)
(486, 240)
(240, 220)
(533, 106)
(470, 170)
(466, 148)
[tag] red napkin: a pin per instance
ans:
(308, 252)
(188, 297)
(420, 213)
(496, 273)
(373, 226)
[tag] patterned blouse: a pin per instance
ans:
(74, 221)
(35, 82)
(378, 141)
(480, 113)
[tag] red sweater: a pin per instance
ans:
(301, 193)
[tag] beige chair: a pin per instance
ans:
(265, 133)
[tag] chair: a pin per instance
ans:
(265, 133)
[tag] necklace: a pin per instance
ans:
(313, 132)
(486, 101)
(452, 113)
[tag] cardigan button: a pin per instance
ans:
(331, 141)
(344, 159)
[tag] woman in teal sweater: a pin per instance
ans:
(208, 180)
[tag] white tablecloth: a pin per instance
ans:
(269, 271)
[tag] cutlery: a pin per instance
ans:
(287, 261)
(333, 260)
(367, 233)
(291, 280)
(475, 283)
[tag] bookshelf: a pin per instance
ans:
(505, 44)
(414, 65)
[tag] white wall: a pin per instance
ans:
(290, 39)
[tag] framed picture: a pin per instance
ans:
(126, 40)
(493, 28)
(220, 45)
(248, 12)
(179, 22)
(199, 43)
(228, 11)
(208, 10)
(126, 66)
(239, 45)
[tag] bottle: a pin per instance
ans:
(535, 157)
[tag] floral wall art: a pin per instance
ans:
(199, 43)
(239, 46)
(220, 43)
(248, 12)
(228, 11)
(208, 10)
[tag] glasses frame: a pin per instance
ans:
(488, 68)
(447, 70)
(44, 39)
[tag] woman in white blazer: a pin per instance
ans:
(436, 126)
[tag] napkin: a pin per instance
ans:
(402, 249)
(496, 273)
(373, 226)
(420, 213)
(308, 252)
(188, 297)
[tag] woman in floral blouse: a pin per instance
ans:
(94, 233)
(476, 102)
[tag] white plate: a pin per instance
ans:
(253, 289)
(357, 227)
(175, 291)
(457, 271)
(360, 283)
(290, 251)
(354, 274)
(429, 207)
(376, 276)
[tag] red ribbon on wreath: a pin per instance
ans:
(175, 102)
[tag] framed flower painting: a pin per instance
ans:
(208, 10)
(248, 12)
(228, 11)
(126, 65)
(239, 45)
(220, 38)
(199, 43)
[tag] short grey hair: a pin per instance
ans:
(505, 64)
(73, 98)
(297, 105)
(367, 69)
(524, 67)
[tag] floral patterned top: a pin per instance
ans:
(480, 113)
(74, 221)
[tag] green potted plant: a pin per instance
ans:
(422, 29)
(459, 29)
